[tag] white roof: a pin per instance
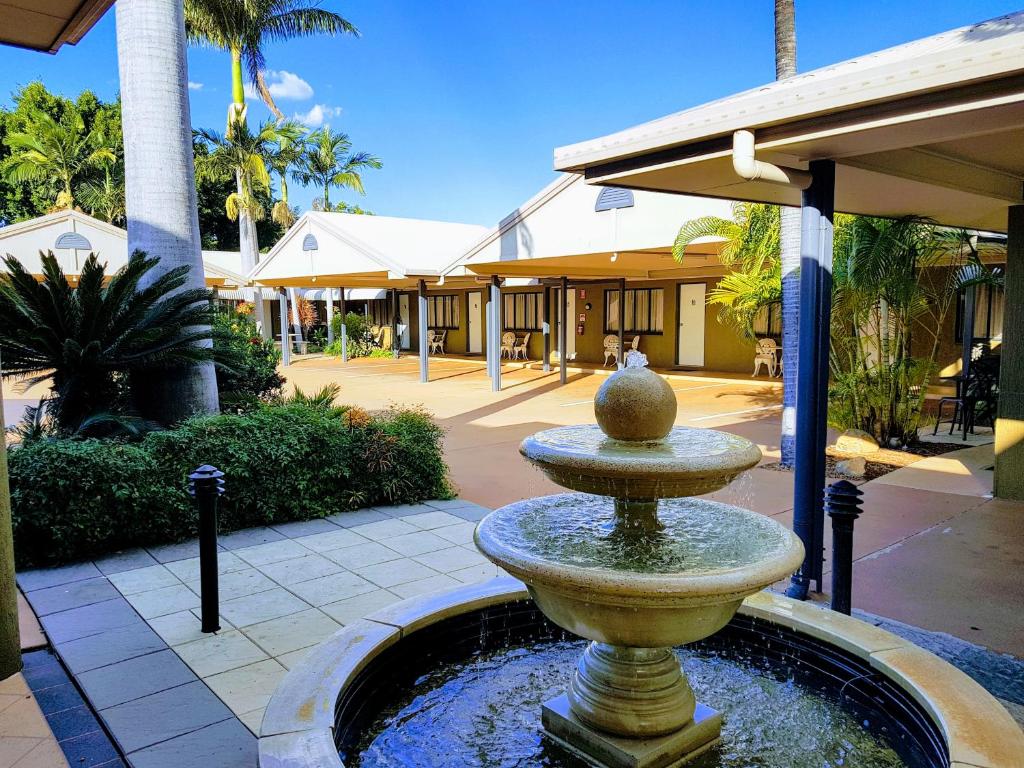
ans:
(26, 239)
(361, 248)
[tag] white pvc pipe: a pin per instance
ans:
(748, 167)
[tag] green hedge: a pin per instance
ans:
(76, 499)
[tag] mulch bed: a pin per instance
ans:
(881, 462)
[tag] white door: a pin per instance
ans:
(403, 321)
(690, 333)
(570, 323)
(473, 329)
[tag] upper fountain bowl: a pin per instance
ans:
(688, 462)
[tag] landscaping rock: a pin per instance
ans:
(853, 467)
(856, 441)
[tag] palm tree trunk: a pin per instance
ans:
(160, 187)
(10, 637)
(789, 241)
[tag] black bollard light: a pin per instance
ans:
(206, 485)
(842, 502)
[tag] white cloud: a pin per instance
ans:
(193, 86)
(316, 115)
(286, 86)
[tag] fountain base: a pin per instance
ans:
(609, 751)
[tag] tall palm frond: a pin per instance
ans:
(239, 153)
(328, 161)
(105, 197)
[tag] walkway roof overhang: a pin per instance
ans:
(352, 250)
(46, 26)
(26, 239)
(934, 128)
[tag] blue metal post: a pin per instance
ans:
(496, 331)
(343, 311)
(817, 211)
(421, 308)
(547, 328)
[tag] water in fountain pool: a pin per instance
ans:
(485, 713)
(699, 536)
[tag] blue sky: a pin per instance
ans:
(465, 101)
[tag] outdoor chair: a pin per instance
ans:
(508, 342)
(766, 353)
(977, 397)
(611, 348)
(520, 348)
(436, 340)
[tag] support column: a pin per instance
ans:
(621, 357)
(562, 341)
(817, 208)
(343, 309)
(293, 297)
(286, 347)
(547, 328)
(330, 314)
(395, 344)
(421, 324)
(488, 333)
(496, 325)
(1009, 473)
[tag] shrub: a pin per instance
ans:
(76, 499)
(357, 328)
(247, 369)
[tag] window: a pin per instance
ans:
(523, 311)
(768, 321)
(443, 312)
(645, 310)
(380, 311)
(988, 313)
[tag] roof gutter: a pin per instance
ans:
(748, 167)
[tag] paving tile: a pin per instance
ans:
(219, 653)
(58, 698)
(312, 566)
(182, 627)
(169, 553)
(331, 588)
(23, 718)
(460, 533)
(90, 750)
(249, 537)
(110, 647)
(290, 633)
(423, 586)
(303, 528)
(134, 678)
(472, 514)
(404, 510)
(188, 569)
(14, 748)
(69, 723)
(128, 560)
(247, 688)
(237, 584)
(396, 572)
(264, 606)
(358, 517)
(417, 543)
(433, 519)
(73, 595)
(51, 577)
(369, 553)
(273, 552)
(451, 559)
(475, 573)
(228, 744)
(253, 720)
(358, 607)
(384, 529)
(143, 579)
(46, 754)
(289, 660)
(31, 634)
(335, 539)
(89, 620)
(164, 715)
(449, 504)
(44, 675)
(160, 602)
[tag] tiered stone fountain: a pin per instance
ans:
(634, 565)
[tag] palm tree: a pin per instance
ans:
(785, 66)
(329, 162)
(241, 29)
(62, 152)
(160, 189)
(91, 341)
(241, 154)
(284, 152)
(105, 197)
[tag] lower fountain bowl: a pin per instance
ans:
(324, 710)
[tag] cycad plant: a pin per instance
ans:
(61, 152)
(91, 340)
(328, 161)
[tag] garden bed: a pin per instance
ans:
(881, 462)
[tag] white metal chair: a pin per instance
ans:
(634, 346)
(520, 348)
(436, 340)
(508, 342)
(611, 348)
(766, 353)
